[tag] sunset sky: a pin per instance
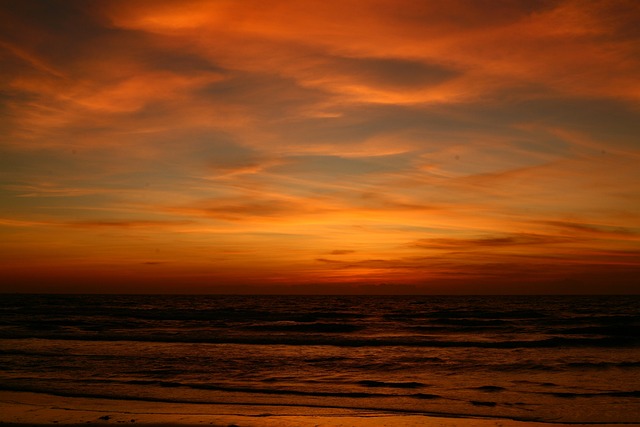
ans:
(329, 146)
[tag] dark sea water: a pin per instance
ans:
(556, 359)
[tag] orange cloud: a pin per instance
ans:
(569, 47)
(414, 142)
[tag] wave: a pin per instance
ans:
(64, 314)
(603, 365)
(558, 367)
(373, 383)
(466, 322)
(483, 403)
(450, 315)
(337, 341)
(634, 393)
(311, 393)
(255, 390)
(489, 388)
(370, 407)
(327, 359)
(225, 388)
(307, 327)
(610, 330)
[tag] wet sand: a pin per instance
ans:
(33, 409)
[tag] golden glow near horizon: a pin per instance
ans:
(194, 146)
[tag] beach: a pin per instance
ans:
(32, 409)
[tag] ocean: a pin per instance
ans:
(571, 359)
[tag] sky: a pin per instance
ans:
(320, 146)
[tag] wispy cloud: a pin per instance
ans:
(321, 141)
(342, 252)
(53, 190)
(597, 230)
(490, 242)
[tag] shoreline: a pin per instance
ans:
(23, 409)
